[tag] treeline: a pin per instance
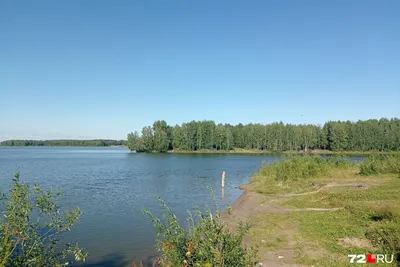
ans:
(382, 135)
(93, 143)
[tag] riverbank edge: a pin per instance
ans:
(69, 146)
(262, 152)
(247, 151)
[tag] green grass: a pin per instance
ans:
(347, 153)
(372, 213)
(381, 165)
(341, 196)
(274, 226)
(297, 174)
(369, 202)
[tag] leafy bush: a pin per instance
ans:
(383, 164)
(207, 241)
(29, 226)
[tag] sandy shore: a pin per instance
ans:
(247, 208)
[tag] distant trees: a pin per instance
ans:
(383, 135)
(93, 143)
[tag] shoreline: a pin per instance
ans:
(69, 146)
(267, 152)
(242, 151)
(290, 227)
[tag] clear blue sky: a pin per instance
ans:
(100, 69)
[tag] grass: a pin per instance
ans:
(381, 165)
(347, 153)
(369, 202)
(361, 218)
(297, 174)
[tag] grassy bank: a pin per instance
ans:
(347, 153)
(315, 211)
(268, 152)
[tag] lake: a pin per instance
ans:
(113, 186)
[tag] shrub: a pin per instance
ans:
(29, 226)
(383, 164)
(206, 242)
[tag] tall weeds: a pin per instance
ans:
(206, 241)
(298, 168)
(383, 164)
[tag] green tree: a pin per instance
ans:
(30, 227)
(208, 134)
(161, 142)
(178, 140)
(135, 142)
(239, 136)
(190, 133)
(228, 140)
(200, 136)
(383, 134)
(148, 138)
(219, 136)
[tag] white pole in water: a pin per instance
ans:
(223, 179)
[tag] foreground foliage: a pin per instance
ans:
(207, 241)
(30, 226)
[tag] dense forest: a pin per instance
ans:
(97, 142)
(382, 135)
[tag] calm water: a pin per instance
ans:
(112, 186)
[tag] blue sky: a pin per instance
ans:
(100, 69)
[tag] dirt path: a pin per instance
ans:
(250, 205)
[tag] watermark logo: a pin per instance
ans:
(371, 258)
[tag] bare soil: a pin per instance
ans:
(355, 242)
(251, 204)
